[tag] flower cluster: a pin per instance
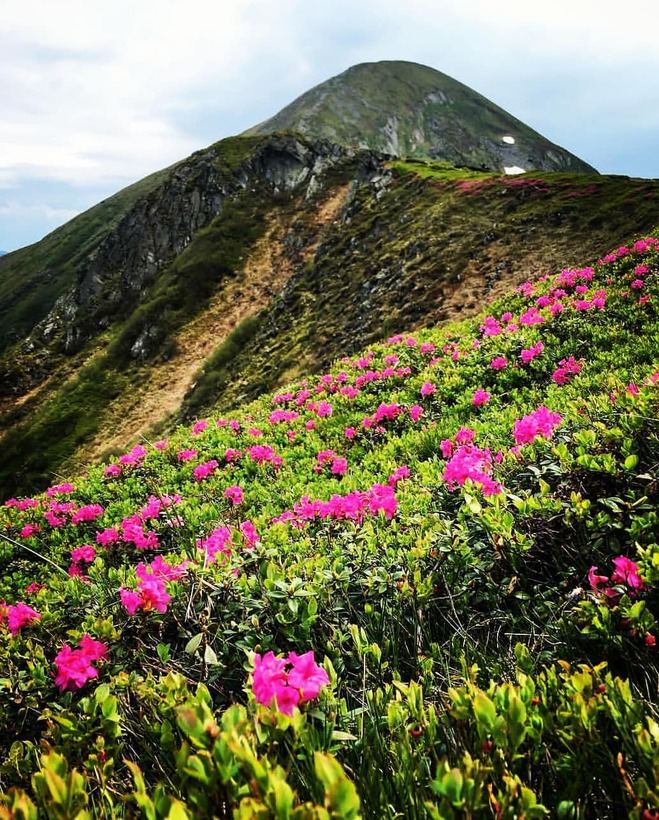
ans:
(470, 462)
(74, 666)
(17, 616)
(151, 593)
(568, 367)
(352, 506)
(541, 422)
(625, 574)
(287, 681)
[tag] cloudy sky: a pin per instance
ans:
(95, 94)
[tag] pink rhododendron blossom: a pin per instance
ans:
(249, 534)
(134, 457)
(107, 536)
(161, 445)
(90, 512)
(349, 433)
(234, 494)
(17, 616)
(159, 568)
(112, 471)
(199, 427)
(480, 397)
(416, 411)
(446, 448)
(74, 666)
(568, 367)
(217, 543)
(499, 363)
(428, 388)
(186, 455)
(150, 595)
(60, 489)
(530, 354)
(626, 572)
(490, 327)
(86, 553)
(398, 475)
(470, 462)
(286, 682)
(465, 435)
(262, 453)
(596, 580)
(541, 422)
(29, 530)
(339, 466)
(203, 471)
(34, 587)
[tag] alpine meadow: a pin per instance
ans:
(330, 474)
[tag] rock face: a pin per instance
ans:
(406, 109)
(158, 228)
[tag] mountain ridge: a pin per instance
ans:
(403, 108)
(125, 303)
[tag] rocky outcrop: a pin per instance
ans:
(161, 225)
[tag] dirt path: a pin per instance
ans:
(265, 273)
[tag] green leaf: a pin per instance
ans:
(193, 644)
(209, 656)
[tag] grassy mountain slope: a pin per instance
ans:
(33, 278)
(410, 110)
(458, 523)
(368, 253)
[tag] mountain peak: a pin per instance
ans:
(407, 109)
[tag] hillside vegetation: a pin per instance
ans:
(423, 584)
(357, 250)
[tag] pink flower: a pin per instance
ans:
(416, 411)
(29, 530)
(306, 675)
(130, 600)
(199, 427)
(532, 352)
(160, 445)
(480, 397)
(269, 676)
(471, 463)
(204, 470)
(150, 594)
(626, 572)
(339, 466)
(287, 681)
(465, 436)
(595, 580)
(349, 433)
(186, 455)
(428, 388)
(108, 536)
(20, 615)
(499, 363)
(399, 474)
(234, 494)
(87, 553)
(87, 513)
(541, 422)
(249, 533)
(112, 471)
(74, 666)
(446, 448)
